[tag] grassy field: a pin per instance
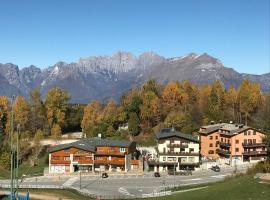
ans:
(241, 188)
(41, 194)
(27, 168)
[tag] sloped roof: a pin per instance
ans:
(231, 129)
(91, 144)
(167, 132)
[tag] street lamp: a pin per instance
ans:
(11, 149)
(174, 165)
(17, 161)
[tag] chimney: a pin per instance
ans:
(212, 122)
(231, 122)
(173, 130)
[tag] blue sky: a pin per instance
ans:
(44, 32)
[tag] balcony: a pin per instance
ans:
(255, 153)
(182, 145)
(253, 145)
(223, 152)
(179, 153)
(111, 153)
(62, 162)
(224, 145)
(113, 161)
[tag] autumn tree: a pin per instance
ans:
(56, 106)
(21, 111)
(180, 121)
(216, 102)
(231, 104)
(171, 96)
(4, 116)
(91, 118)
(248, 97)
(149, 111)
(133, 124)
(37, 114)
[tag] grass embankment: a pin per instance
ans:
(53, 194)
(27, 169)
(240, 188)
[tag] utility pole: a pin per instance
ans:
(17, 161)
(173, 175)
(11, 149)
(80, 180)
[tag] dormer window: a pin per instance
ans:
(122, 149)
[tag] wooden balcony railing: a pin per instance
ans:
(226, 145)
(112, 161)
(63, 162)
(110, 153)
(180, 153)
(177, 145)
(223, 152)
(252, 145)
(255, 153)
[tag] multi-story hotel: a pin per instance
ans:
(175, 150)
(228, 140)
(89, 155)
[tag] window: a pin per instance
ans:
(191, 159)
(245, 133)
(122, 149)
(191, 150)
(55, 158)
(210, 152)
(66, 158)
(216, 137)
(225, 140)
(221, 139)
(236, 149)
(182, 149)
(171, 158)
(245, 141)
(164, 158)
(210, 145)
(77, 158)
(254, 141)
(249, 132)
(216, 144)
(250, 141)
(211, 137)
(236, 141)
(254, 132)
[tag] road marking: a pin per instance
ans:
(219, 176)
(70, 181)
(194, 179)
(124, 191)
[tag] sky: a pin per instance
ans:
(44, 32)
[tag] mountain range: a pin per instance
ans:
(105, 77)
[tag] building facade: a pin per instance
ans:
(176, 150)
(90, 155)
(232, 141)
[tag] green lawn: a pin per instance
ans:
(36, 194)
(246, 188)
(28, 169)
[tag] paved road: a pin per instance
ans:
(124, 186)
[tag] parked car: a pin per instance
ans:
(156, 174)
(104, 175)
(215, 168)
